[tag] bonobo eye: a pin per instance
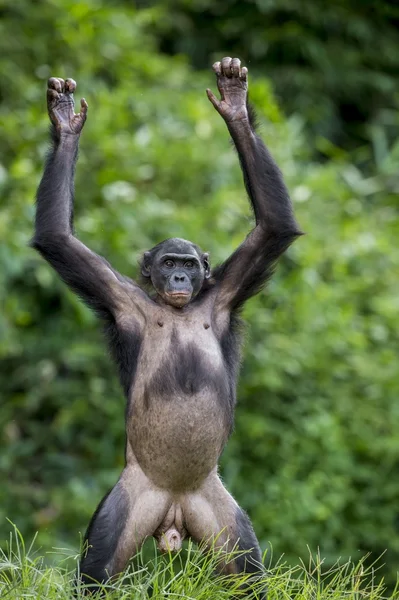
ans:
(189, 264)
(169, 264)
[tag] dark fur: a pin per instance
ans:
(231, 348)
(125, 347)
(103, 534)
(251, 560)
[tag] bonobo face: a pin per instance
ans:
(177, 269)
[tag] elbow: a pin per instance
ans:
(46, 242)
(37, 242)
(41, 245)
(283, 231)
(291, 234)
(273, 242)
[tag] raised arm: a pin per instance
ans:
(248, 268)
(88, 274)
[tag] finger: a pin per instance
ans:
(244, 73)
(52, 95)
(54, 83)
(217, 68)
(213, 98)
(235, 67)
(83, 107)
(70, 86)
(226, 66)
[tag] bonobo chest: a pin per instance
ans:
(180, 354)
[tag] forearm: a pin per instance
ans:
(263, 179)
(86, 273)
(54, 212)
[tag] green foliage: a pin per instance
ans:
(334, 62)
(315, 451)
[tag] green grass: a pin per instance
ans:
(189, 574)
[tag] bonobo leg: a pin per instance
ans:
(213, 516)
(130, 513)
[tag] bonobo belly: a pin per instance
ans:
(180, 405)
(177, 440)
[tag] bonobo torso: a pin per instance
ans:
(180, 402)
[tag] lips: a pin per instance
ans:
(178, 294)
(178, 299)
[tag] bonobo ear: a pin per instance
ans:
(207, 265)
(146, 264)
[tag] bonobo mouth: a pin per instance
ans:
(179, 298)
(178, 294)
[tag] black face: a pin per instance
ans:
(177, 270)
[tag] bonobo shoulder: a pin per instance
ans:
(135, 306)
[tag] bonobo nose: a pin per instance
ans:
(179, 277)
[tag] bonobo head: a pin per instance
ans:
(177, 269)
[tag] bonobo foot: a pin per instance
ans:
(60, 106)
(233, 87)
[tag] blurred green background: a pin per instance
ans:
(315, 454)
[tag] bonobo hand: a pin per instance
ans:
(60, 106)
(233, 87)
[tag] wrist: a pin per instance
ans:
(60, 135)
(241, 126)
(66, 141)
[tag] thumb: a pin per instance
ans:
(213, 99)
(83, 108)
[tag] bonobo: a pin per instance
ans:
(177, 348)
